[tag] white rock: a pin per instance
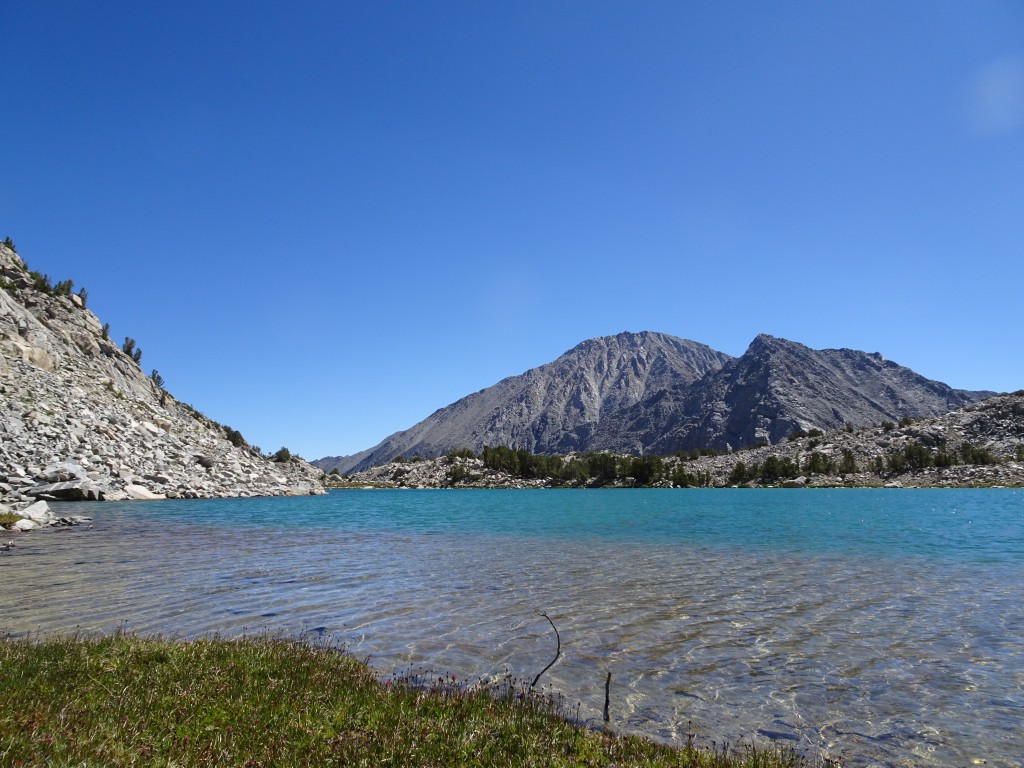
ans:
(39, 512)
(141, 493)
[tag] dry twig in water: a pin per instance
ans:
(607, 685)
(558, 652)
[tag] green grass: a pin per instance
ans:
(8, 518)
(124, 700)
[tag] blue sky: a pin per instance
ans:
(322, 221)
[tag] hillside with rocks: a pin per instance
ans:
(644, 393)
(79, 420)
(979, 445)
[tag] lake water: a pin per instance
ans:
(879, 627)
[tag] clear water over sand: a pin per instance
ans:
(883, 627)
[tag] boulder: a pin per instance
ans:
(40, 358)
(39, 512)
(26, 525)
(65, 470)
(141, 493)
(71, 490)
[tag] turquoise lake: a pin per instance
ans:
(876, 627)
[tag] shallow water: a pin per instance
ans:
(882, 627)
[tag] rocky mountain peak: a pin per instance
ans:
(555, 407)
(649, 392)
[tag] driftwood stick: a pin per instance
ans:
(558, 652)
(607, 686)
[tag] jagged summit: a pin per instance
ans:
(776, 387)
(650, 392)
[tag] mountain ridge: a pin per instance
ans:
(650, 392)
(777, 387)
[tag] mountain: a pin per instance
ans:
(775, 388)
(554, 408)
(649, 392)
(80, 420)
(981, 444)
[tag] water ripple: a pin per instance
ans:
(872, 658)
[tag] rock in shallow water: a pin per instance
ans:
(39, 512)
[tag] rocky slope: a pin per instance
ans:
(80, 420)
(554, 408)
(984, 440)
(643, 393)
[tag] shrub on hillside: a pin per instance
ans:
(129, 348)
(848, 466)
(819, 464)
(234, 437)
(974, 455)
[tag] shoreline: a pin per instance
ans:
(273, 701)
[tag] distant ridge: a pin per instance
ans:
(654, 393)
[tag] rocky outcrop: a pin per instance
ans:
(644, 393)
(554, 408)
(984, 441)
(80, 420)
(436, 473)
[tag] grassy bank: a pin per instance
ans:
(122, 700)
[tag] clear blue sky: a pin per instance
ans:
(322, 221)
